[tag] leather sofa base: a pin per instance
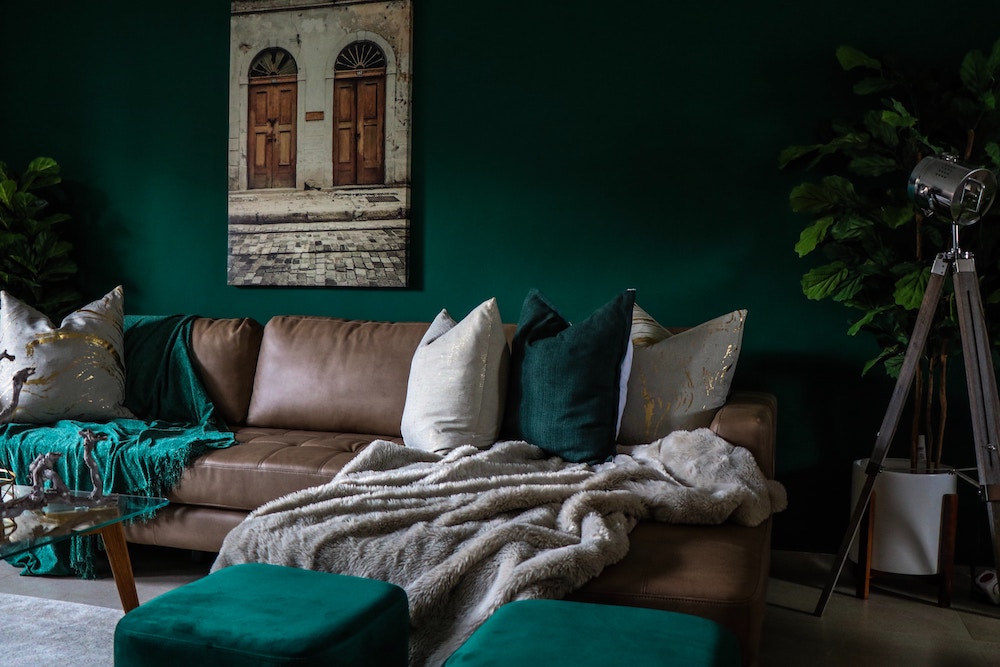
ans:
(717, 572)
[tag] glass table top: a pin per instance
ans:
(63, 518)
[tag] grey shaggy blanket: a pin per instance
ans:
(468, 532)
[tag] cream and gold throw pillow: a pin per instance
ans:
(458, 381)
(678, 381)
(78, 366)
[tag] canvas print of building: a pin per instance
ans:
(319, 143)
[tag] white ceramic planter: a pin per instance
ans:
(907, 516)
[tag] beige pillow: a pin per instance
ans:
(678, 381)
(79, 366)
(457, 384)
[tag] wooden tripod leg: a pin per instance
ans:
(946, 548)
(907, 372)
(984, 402)
(866, 535)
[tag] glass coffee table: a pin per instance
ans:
(63, 519)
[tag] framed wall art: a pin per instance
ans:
(319, 143)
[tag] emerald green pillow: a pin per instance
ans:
(564, 387)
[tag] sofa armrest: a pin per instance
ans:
(749, 419)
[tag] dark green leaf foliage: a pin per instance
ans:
(36, 263)
(873, 248)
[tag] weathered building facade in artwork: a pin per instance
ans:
(319, 143)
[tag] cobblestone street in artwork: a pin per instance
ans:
(340, 238)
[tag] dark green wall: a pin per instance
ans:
(580, 148)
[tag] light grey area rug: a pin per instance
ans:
(36, 631)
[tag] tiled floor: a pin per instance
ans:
(900, 624)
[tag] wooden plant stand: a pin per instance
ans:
(946, 550)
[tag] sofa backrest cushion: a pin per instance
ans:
(224, 353)
(329, 374)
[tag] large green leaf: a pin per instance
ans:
(989, 99)
(896, 216)
(7, 190)
(824, 281)
(911, 287)
(974, 72)
(850, 57)
(898, 116)
(893, 364)
(841, 142)
(880, 131)
(848, 289)
(819, 198)
(993, 151)
(851, 227)
(813, 235)
(42, 171)
(872, 85)
(865, 320)
(884, 354)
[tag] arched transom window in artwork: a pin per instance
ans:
(359, 58)
(273, 62)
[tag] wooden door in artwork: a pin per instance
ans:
(272, 109)
(359, 136)
(359, 115)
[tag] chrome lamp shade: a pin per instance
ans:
(941, 185)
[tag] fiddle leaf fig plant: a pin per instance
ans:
(876, 246)
(36, 263)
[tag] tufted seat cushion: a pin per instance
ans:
(267, 464)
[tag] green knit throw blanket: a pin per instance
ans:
(145, 456)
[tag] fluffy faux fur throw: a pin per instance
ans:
(468, 532)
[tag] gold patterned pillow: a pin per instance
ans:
(78, 367)
(678, 381)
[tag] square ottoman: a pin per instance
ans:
(261, 614)
(558, 632)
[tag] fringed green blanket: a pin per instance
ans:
(145, 456)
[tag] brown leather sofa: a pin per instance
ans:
(305, 394)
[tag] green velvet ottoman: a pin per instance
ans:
(260, 614)
(556, 632)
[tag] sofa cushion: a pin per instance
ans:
(678, 381)
(267, 463)
(79, 370)
(565, 380)
(328, 374)
(458, 382)
(224, 353)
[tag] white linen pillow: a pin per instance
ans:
(458, 381)
(678, 381)
(79, 365)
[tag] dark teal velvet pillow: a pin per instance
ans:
(564, 384)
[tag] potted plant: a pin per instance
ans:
(36, 261)
(878, 246)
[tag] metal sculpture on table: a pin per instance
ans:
(47, 486)
(90, 440)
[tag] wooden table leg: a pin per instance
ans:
(121, 565)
